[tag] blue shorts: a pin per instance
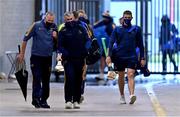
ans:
(121, 65)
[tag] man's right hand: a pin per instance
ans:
(108, 60)
(54, 34)
(20, 57)
(59, 57)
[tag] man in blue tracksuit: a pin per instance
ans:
(102, 31)
(122, 52)
(72, 44)
(44, 35)
(167, 33)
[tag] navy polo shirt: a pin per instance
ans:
(42, 44)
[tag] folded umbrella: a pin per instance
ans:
(22, 79)
(22, 76)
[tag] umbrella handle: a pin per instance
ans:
(23, 65)
(19, 48)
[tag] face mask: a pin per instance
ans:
(48, 24)
(165, 23)
(127, 21)
(70, 24)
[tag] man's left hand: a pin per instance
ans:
(54, 34)
(143, 62)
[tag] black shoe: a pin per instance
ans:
(163, 72)
(146, 73)
(136, 73)
(126, 79)
(98, 78)
(44, 104)
(36, 103)
(176, 69)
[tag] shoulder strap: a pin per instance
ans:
(118, 36)
(132, 28)
(83, 30)
(81, 27)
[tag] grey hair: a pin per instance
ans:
(68, 13)
(49, 13)
(81, 11)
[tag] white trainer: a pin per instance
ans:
(122, 100)
(81, 99)
(68, 105)
(132, 99)
(76, 105)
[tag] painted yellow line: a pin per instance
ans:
(160, 112)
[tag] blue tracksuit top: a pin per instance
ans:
(123, 42)
(72, 42)
(42, 44)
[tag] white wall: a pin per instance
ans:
(0, 39)
(16, 17)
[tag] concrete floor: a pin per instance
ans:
(157, 95)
